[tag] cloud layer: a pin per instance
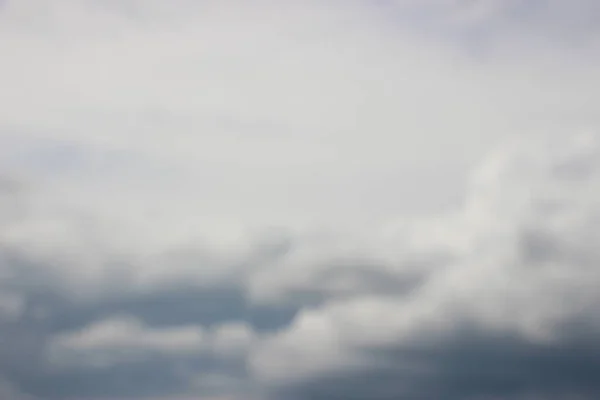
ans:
(353, 199)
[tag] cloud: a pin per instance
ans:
(505, 309)
(266, 199)
(511, 314)
(125, 335)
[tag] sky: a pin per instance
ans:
(269, 200)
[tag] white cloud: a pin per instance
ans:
(310, 155)
(121, 338)
(126, 335)
(304, 125)
(232, 339)
(531, 226)
(524, 266)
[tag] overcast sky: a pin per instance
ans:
(269, 200)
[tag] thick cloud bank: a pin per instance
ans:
(508, 311)
(496, 300)
(269, 200)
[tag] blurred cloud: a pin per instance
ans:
(319, 199)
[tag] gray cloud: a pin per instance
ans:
(477, 365)
(269, 200)
(506, 312)
(512, 317)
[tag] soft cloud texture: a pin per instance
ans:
(524, 276)
(352, 199)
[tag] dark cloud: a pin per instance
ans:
(472, 365)
(47, 311)
(497, 301)
(513, 319)
(177, 306)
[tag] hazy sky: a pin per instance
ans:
(348, 199)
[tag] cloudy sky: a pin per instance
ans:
(312, 199)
